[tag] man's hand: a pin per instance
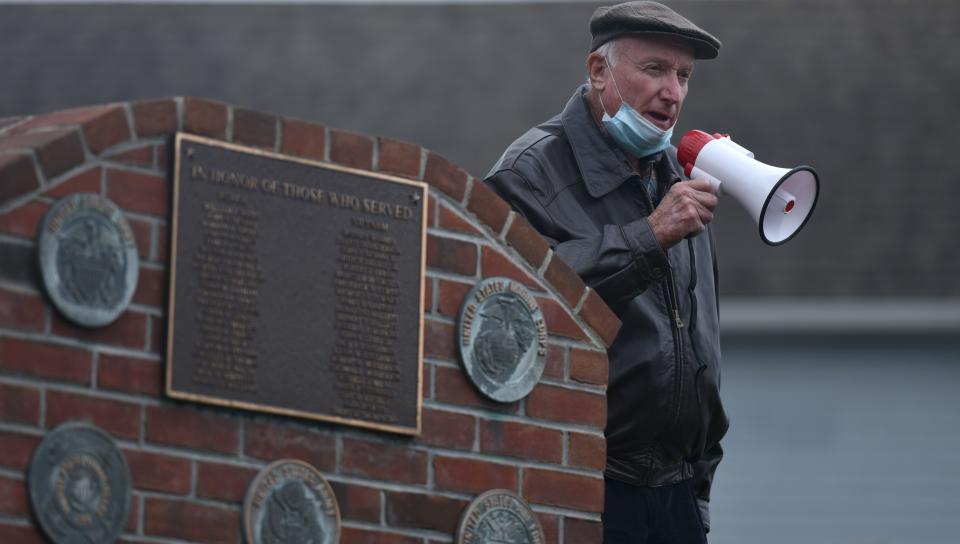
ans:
(686, 209)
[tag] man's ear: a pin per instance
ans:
(597, 70)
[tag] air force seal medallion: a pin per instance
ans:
(290, 501)
(502, 339)
(88, 258)
(79, 485)
(499, 517)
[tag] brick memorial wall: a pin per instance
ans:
(191, 463)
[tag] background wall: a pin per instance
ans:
(861, 89)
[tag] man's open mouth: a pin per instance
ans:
(659, 119)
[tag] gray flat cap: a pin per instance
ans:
(610, 22)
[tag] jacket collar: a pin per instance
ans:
(602, 164)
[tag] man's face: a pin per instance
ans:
(652, 75)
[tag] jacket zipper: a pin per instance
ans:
(677, 342)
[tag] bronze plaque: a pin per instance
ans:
(296, 287)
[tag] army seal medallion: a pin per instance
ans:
(502, 339)
(290, 501)
(79, 485)
(499, 516)
(88, 259)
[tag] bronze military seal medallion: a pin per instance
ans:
(291, 502)
(499, 516)
(79, 485)
(88, 259)
(502, 339)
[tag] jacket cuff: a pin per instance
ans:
(704, 507)
(650, 259)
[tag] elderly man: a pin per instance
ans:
(601, 182)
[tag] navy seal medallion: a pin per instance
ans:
(79, 485)
(502, 339)
(290, 501)
(499, 516)
(88, 259)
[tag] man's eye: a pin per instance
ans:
(653, 69)
(684, 76)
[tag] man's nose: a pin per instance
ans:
(672, 89)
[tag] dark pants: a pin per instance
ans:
(651, 515)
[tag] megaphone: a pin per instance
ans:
(780, 200)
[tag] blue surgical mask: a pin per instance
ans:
(632, 131)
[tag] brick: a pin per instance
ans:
(143, 233)
(562, 489)
(558, 320)
(357, 502)
(521, 440)
(451, 255)
(189, 428)
(163, 243)
(493, 263)
(588, 366)
(159, 472)
(553, 366)
(107, 129)
(551, 527)
(223, 482)
(351, 149)
(18, 176)
(582, 530)
(13, 496)
(19, 404)
(18, 264)
(144, 193)
(151, 287)
(205, 117)
(163, 157)
(190, 521)
(439, 340)
(445, 176)
(121, 419)
(103, 126)
(20, 534)
(155, 117)
(567, 406)
(139, 156)
(130, 375)
(452, 294)
(427, 295)
(23, 311)
(418, 511)
(48, 361)
(254, 128)
(431, 210)
(400, 158)
(158, 335)
(600, 317)
(453, 387)
(133, 515)
(586, 451)
(87, 181)
(564, 280)
(304, 139)
(269, 441)
(448, 429)
(527, 241)
(353, 535)
(10, 122)
(472, 475)
(383, 461)
(449, 220)
(17, 449)
(129, 330)
(488, 207)
(57, 150)
(24, 221)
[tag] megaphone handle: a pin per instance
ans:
(698, 173)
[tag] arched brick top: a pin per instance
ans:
(39, 153)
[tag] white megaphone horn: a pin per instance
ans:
(780, 200)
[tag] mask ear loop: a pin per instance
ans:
(615, 87)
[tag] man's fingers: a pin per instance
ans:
(701, 185)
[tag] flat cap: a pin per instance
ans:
(611, 22)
